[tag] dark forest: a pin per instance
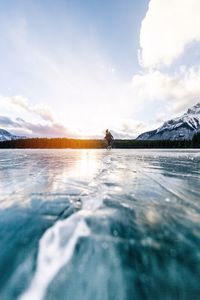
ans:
(60, 143)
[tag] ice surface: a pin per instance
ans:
(98, 224)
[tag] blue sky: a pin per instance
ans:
(74, 68)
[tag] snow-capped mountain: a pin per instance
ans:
(180, 128)
(7, 136)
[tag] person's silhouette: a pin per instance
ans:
(109, 138)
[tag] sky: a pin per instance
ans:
(73, 68)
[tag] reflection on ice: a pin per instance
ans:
(98, 224)
(152, 217)
(43, 171)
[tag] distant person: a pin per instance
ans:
(109, 139)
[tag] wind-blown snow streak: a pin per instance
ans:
(55, 250)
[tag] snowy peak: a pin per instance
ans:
(183, 127)
(7, 136)
(194, 110)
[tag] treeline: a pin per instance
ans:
(52, 143)
(60, 143)
(196, 140)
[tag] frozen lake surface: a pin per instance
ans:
(99, 225)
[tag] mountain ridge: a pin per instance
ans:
(7, 136)
(180, 128)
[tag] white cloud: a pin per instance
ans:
(167, 28)
(49, 126)
(179, 90)
(20, 126)
(130, 128)
(44, 111)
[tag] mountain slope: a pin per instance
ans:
(180, 128)
(7, 136)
